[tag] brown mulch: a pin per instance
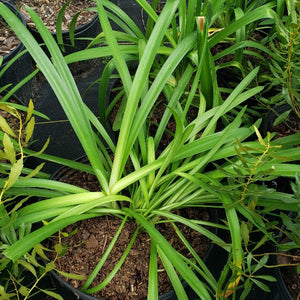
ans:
(131, 282)
(8, 39)
(48, 12)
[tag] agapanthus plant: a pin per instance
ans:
(159, 183)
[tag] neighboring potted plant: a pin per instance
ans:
(18, 278)
(281, 75)
(136, 184)
(284, 260)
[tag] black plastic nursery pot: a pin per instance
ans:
(268, 121)
(82, 34)
(278, 288)
(88, 30)
(21, 68)
(82, 38)
(63, 140)
(215, 259)
(282, 291)
(69, 292)
(289, 125)
(134, 11)
(288, 280)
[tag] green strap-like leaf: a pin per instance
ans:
(149, 54)
(176, 283)
(153, 278)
